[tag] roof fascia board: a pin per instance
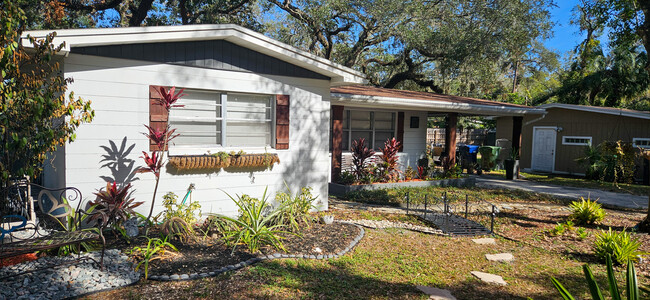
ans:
(596, 110)
(391, 102)
(232, 33)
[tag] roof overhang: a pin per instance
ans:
(364, 101)
(600, 110)
(235, 34)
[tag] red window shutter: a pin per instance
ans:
(400, 130)
(158, 115)
(282, 122)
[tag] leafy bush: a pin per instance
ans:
(631, 285)
(586, 211)
(610, 161)
(347, 178)
(114, 205)
(558, 230)
(150, 253)
(360, 155)
(582, 233)
(295, 209)
(371, 196)
(187, 212)
(409, 174)
(620, 245)
(254, 228)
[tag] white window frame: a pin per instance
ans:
(564, 142)
(634, 142)
(212, 148)
(372, 125)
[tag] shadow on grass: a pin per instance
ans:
(517, 217)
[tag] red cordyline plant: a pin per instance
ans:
(160, 138)
(390, 158)
(422, 172)
(114, 205)
(360, 154)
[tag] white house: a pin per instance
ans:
(238, 85)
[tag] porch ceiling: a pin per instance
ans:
(373, 97)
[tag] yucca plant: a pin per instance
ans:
(620, 245)
(631, 286)
(295, 208)
(586, 211)
(253, 228)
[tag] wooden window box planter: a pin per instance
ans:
(208, 162)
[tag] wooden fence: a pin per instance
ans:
(467, 136)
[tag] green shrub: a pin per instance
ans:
(586, 211)
(347, 178)
(295, 209)
(255, 226)
(582, 233)
(187, 212)
(620, 245)
(371, 196)
(559, 229)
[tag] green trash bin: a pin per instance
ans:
(489, 156)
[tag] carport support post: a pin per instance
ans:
(450, 138)
(337, 140)
(516, 138)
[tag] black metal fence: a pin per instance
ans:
(454, 214)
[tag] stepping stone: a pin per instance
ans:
(489, 278)
(436, 294)
(501, 257)
(484, 241)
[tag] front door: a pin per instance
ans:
(544, 149)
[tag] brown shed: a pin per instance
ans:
(552, 142)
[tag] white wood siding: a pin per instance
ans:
(119, 91)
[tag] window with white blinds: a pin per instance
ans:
(209, 119)
(375, 126)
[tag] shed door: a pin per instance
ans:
(544, 149)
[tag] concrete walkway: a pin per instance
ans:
(608, 199)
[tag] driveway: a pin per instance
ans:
(608, 199)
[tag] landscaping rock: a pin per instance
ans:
(484, 241)
(489, 278)
(501, 257)
(436, 294)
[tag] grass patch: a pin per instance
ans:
(396, 196)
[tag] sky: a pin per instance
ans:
(566, 36)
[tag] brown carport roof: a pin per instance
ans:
(369, 96)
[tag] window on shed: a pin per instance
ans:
(210, 119)
(641, 143)
(576, 140)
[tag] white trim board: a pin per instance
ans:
(235, 34)
(600, 110)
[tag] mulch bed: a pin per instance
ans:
(207, 253)
(532, 226)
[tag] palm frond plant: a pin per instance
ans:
(253, 228)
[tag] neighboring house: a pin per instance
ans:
(244, 90)
(378, 114)
(552, 142)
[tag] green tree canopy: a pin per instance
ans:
(35, 114)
